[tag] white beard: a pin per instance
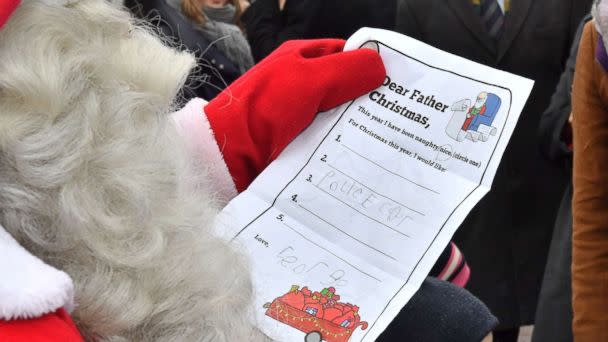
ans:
(94, 180)
(479, 105)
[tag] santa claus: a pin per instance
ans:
(107, 200)
(479, 108)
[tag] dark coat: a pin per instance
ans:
(440, 312)
(267, 27)
(214, 71)
(340, 19)
(506, 237)
(554, 131)
(554, 312)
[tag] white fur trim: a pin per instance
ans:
(195, 128)
(28, 287)
(599, 10)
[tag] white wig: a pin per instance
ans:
(95, 180)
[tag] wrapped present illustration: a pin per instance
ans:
(320, 315)
(474, 121)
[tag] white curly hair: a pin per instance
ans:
(95, 180)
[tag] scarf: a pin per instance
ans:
(224, 14)
(230, 40)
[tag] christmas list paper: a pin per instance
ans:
(345, 225)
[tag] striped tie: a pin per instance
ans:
(493, 18)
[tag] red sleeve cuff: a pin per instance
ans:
(456, 270)
(53, 327)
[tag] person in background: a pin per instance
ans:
(214, 71)
(553, 320)
(219, 22)
(506, 237)
(590, 198)
(269, 23)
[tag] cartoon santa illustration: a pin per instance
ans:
(474, 122)
(479, 108)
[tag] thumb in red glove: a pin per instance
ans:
(264, 110)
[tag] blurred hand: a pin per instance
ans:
(570, 118)
(281, 4)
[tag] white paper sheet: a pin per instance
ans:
(363, 202)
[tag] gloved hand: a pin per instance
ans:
(266, 108)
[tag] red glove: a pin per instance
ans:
(264, 110)
(52, 327)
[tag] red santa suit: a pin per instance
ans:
(471, 116)
(35, 298)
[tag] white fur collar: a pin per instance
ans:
(29, 287)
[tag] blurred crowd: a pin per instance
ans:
(518, 240)
(229, 36)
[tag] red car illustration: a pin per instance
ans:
(318, 314)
